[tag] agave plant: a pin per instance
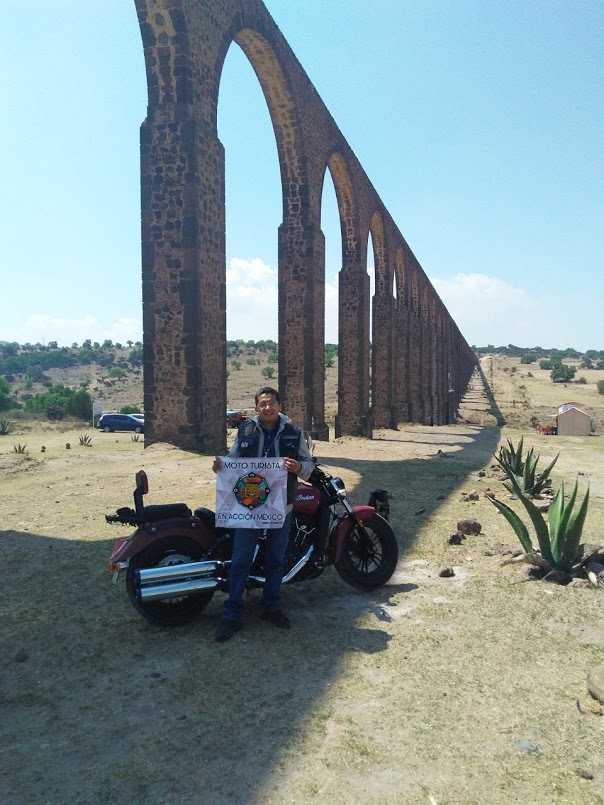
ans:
(85, 440)
(558, 544)
(19, 448)
(6, 425)
(510, 461)
(533, 484)
(510, 457)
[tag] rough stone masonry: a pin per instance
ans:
(419, 364)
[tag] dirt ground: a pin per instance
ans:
(465, 690)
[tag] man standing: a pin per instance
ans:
(268, 434)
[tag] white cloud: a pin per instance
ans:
(42, 328)
(489, 310)
(252, 301)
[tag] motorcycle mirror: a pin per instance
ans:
(142, 483)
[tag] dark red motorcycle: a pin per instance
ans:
(176, 559)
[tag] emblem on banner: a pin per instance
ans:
(251, 491)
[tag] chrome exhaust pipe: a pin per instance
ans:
(156, 592)
(177, 572)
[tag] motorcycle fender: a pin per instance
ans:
(344, 524)
(193, 529)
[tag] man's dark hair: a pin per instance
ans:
(267, 390)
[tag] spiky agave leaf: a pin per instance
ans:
(558, 527)
(538, 522)
(518, 464)
(542, 480)
(528, 475)
(554, 516)
(510, 458)
(516, 522)
(573, 533)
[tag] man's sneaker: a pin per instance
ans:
(226, 629)
(277, 618)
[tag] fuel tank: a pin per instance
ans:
(307, 499)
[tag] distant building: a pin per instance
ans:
(573, 420)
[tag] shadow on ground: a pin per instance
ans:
(100, 706)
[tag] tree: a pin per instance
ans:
(79, 404)
(528, 357)
(562, 373)
(268, 372)
(5, 398)
(600, 386)
(555, 356)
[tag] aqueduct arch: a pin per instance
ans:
(417, 350)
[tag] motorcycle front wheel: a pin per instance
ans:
(369, 554)
(163, 553)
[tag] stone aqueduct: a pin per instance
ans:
(420, 363)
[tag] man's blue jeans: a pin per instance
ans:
(243, 556)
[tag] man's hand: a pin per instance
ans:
(293, 465)
(216, 464)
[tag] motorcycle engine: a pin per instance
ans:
(301, 537)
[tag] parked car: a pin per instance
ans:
(235, 418)
(111, 422)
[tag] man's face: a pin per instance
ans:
(268, 410)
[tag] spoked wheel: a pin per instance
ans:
(369, 554)
(166, 552)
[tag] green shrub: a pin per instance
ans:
(528, 357)
(600, 386)
(19, 448)
(130, 409)
(86, 440)
(60, 400)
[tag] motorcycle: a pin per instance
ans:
(177, 559)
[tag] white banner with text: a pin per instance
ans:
(251, 493)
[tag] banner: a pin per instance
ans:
(251, 493)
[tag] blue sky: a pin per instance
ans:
(480, 124)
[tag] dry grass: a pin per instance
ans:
(461, 691)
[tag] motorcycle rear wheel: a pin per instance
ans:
(369, 555)
(164, 552)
